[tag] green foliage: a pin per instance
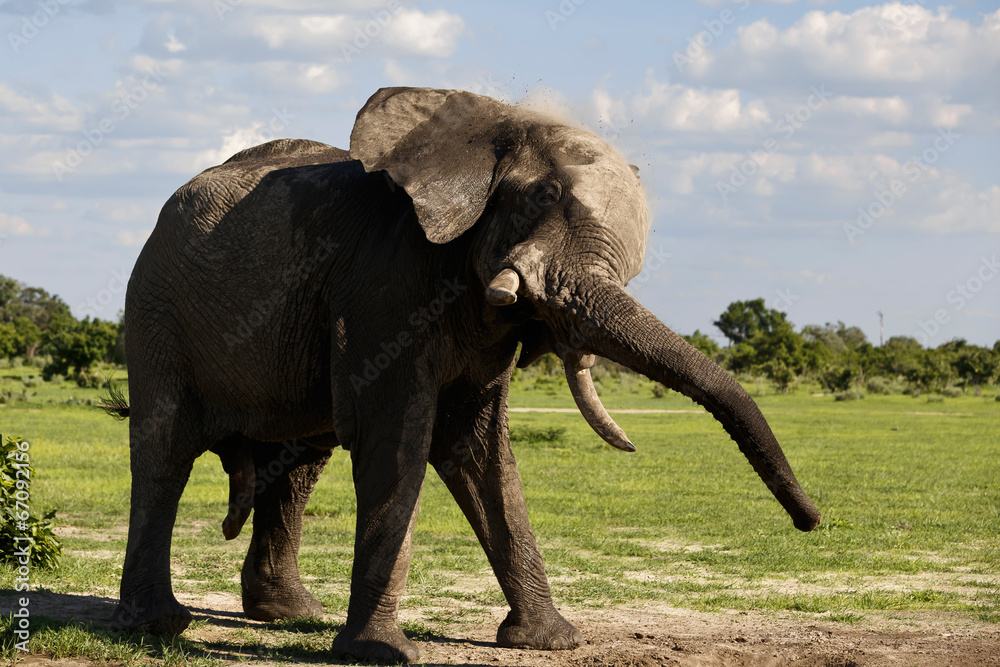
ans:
(16, 479)
(78, 345)
(33, 303)
(852, 394)
(839, 358)
(537, 435)
(742, 319)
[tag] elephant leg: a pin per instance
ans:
(471, 453)
(285, 477)
(164, 443)
(388, 475)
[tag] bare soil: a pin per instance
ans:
(640, 636)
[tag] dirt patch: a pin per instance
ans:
(638, 636)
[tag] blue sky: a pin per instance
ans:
(835, 158)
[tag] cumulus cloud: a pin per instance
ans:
(906, 45)
(30, 109)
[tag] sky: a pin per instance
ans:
(837, 159)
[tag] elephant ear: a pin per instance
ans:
(440, 146)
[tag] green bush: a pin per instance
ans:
(535, 435)
(659, 391)
(16, 476)
(952, 392)
(853, 394)
(882, 385)
(32, 381)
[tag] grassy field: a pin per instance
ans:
(909, 488)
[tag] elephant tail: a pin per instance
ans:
(115, 402)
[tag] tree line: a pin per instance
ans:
(839, 357)
(35, 325)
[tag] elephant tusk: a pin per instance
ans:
(502, 290)
(577, 368)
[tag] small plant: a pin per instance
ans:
(659, 391)
(32, 381)
(534, 435)
(934, 398)
(852, 394)
(952, 392)
(16, 475)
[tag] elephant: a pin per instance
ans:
(300, 297)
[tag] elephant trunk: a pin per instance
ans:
(614, 325)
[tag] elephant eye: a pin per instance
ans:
(548, 194)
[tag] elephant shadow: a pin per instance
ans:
(91, 614)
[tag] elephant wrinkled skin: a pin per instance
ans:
(300, 297)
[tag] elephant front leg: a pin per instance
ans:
(471, 452)
(388, 476)
(285, 476)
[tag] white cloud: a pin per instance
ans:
(14, 225)
(678, 107)
(434, 34)
(901, 44)
(40, 111)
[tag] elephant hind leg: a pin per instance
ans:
(164, 441)
(285, 474)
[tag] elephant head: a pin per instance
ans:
(559, 222)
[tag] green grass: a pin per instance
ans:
(910, 493)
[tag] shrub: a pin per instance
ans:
(853, 394)
(535, 435)
(934, 398)
(659, 391)
(881, 385)
(952, 392)
(32, 381)
(16, 475)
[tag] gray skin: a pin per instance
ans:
(300, 297)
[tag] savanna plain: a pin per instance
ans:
(676, 554)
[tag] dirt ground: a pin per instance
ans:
(641, 636)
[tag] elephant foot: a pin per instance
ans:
(550, 633)
(376, 643)
(156, 616)
(275, 602)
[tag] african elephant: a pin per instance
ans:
(374, 300)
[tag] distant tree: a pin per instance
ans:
(29, 337)
(9, 341)
(975, 365)
(744, 318)
(43, 309)
(79, 345)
